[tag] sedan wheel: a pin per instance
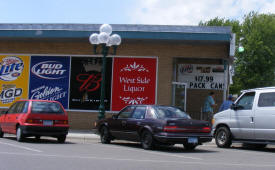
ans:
(61, 139)
(104, 135)
(19, 134)
(189, 146)
(147, 140)
(223, 137)
(1, 133)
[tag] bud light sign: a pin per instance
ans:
(49, 78)
(11, 68)
(49, 70)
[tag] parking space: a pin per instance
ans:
(122, 155)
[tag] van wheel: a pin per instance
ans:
(19, 134)
(61, 139)
(105, 135)
(147, 140)
(223, 137)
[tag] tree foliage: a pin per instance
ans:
(255, 67)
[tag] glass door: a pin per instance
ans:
(179, 95)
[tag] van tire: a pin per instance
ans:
(223, 137)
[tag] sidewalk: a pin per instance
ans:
(82, 135)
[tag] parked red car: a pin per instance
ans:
(37, 118)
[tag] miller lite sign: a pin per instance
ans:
(14, 78)
(11, 68)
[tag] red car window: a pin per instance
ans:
(46, 108)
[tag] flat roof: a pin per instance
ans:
(126, 31)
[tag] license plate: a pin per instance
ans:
(192, 140)
(47, 122)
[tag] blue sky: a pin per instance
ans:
(164, 12)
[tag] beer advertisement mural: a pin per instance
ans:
(14, 78)
(134, 82)
(85, 83)
(49, 78)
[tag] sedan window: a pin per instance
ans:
(126, 113)
(139, 113)
(171, 112)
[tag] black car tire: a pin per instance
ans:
(1, 133)
(19, 134)
(105, 135)
(147, 140)
(189, 146)
(37, 137)
(61, 139)
(223, 137)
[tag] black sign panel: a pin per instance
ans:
(85, 84)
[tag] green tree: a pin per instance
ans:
(255, 66)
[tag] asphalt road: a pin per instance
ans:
(47, 154)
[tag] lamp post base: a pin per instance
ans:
(101, 114)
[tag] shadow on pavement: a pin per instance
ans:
(164, 148)
(46, 140)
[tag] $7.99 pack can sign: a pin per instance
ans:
(14, 77)
(134, 82)
(49, 78)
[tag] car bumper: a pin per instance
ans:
(44, 131)
(183, 139)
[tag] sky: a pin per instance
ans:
(154, 12)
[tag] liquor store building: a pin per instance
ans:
(155, 64)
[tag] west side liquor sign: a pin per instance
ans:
(134, 82)
(201, 76)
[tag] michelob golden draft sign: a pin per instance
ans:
(14, 78)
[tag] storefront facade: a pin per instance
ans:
(167, 65)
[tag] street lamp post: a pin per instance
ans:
(104, 40)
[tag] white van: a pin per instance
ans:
(251, 120)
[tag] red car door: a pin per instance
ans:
(7, 121)
(20, 108)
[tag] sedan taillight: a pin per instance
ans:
(61, 122)
(187, 129)
(36, 121)
(171, 129)
(206, 129)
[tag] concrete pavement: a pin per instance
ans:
(82, 135)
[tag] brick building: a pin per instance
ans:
(181, 65)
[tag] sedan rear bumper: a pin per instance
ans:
(44, 131)
(182, 139)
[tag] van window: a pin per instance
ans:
(267, 99)
(246, 101)
(46, 108)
